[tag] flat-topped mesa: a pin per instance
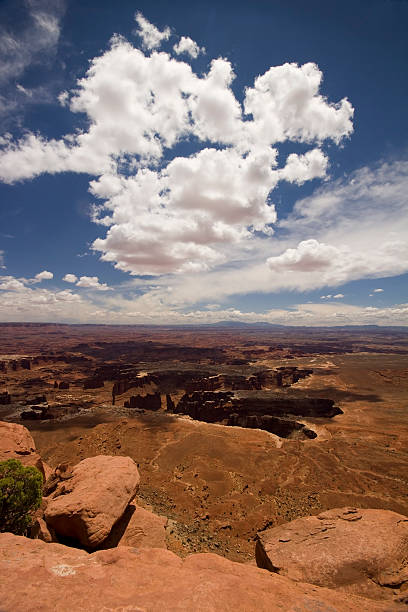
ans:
(284, 428)
(169, 381)
(136, 382)
(151, 401)
(265, 379)
(54, 411)
(272, 413)
(15, 364)
(93, 383)
(217, 406)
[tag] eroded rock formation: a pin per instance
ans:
(5, 398)
(151, 401)
(272, 412)
(55, 411)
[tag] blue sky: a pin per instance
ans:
(184, 163)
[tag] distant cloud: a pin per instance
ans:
(378, 290)
(63, 98)
(44, 275)
(189, 46)
(9, 283)
(26, 92)
(338, 296)
(308, 256)
(87, 282)
(70, 278)
(151, 36)
(92, 282)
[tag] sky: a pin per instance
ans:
(177, 163)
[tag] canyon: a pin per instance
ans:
(235, 431)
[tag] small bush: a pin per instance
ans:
(20, 495)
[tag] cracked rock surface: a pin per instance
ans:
(357, 551)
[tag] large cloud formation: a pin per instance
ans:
(165, 213)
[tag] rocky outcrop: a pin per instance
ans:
(284, 428)
(39, 399)
(34, 414)
(93, 383)
(151, 401)
(135, 382)
(54, 577)
(5, 398)
(357, 551)
(265, 379)
(270, 412)
(16, 443)
(138, 527)
(211, 407)
(43, 413)
(86, 505)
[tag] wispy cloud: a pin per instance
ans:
(32, 40)
(151, 36)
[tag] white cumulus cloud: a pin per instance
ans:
(308, 256)
(301, 168)
(70, 278)
(378, 290)
(44, 275)
(189, 46)
(92, 282)
(167, 214)
(9, 283)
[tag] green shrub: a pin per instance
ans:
(20, 495)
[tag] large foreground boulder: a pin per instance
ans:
(49, 577)
(16, 442)
(357, 551)
(86, 505)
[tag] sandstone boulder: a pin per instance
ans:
(138, 527)
(40, 530)
(36, 575)
(86, 505)
(16, 442)
(357, 551)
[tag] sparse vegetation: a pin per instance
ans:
(20, 495)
